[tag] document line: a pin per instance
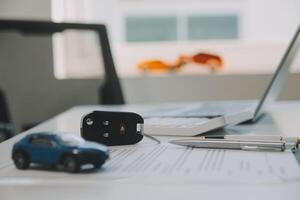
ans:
(171, 160)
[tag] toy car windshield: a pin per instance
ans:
(70, 140)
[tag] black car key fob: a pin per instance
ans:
(112, 128)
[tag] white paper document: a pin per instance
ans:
(202, 164)
(159, 161)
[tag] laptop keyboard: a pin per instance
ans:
(176, 122)
(208, 110)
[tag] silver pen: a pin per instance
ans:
(239, 145)
(253, 138)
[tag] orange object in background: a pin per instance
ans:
(158, 65)
(213, 62)
(153, 65)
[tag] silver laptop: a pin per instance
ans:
(221, 108)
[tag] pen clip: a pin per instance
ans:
(257, 148)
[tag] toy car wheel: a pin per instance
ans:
(98, 165)
(21, 160)
(70, 164)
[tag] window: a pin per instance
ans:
(152, 28)
(213, 27)
(77, 54)
(173, 28)
(41, 141)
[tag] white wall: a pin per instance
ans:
(260, 21)
(270, 20)
(194, 88)
(30, 9)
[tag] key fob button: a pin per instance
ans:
(106, 135)
(122, 129)
(89, 121)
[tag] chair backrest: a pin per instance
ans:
(4, 113)
(111, 91)
(6, 128)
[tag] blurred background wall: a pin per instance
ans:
(26, 70)
(34, 94)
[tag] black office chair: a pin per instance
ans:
(110, 92)
(6, 127)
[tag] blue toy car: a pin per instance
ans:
(50, 149)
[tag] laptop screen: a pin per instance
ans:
(281, 74)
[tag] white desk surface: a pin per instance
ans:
(283, 118)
